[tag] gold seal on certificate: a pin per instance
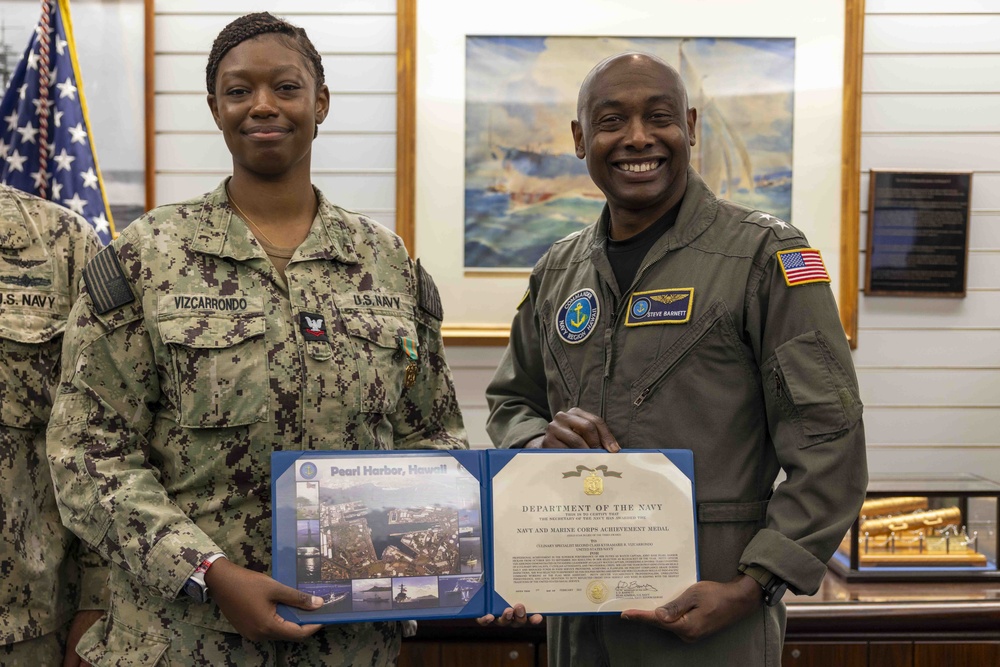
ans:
(623, 539)
(597, 592)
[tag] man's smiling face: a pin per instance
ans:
(636, 132)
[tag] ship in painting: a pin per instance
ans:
(531, 177)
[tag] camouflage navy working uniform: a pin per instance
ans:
(749, 373)
(44, 571)
(191, 360)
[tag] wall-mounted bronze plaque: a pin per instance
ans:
(918, 233)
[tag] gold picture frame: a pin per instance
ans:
(495, 333)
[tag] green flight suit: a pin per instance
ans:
(751, 374)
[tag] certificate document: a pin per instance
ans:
(419, 535)
(586, 532)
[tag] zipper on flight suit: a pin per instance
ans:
(618, 311)
(641, 398)
(609, 337)
(609, 340)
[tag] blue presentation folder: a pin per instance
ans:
(394, 535)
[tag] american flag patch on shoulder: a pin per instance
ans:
(429, 297)
(802, 266)
(106, 282)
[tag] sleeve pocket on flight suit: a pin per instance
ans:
(220, 369)
(29, 348)
(808, 383)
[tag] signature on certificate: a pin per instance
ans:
(634, 586)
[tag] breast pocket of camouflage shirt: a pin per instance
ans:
(219, 367)
(375, 336)
(29, 367)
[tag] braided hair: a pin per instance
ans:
(256, 24)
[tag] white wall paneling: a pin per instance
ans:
(336, 33)
(941, 427)
(950, 349)
(288, 8)
(929, 388)
(926, 74)
(930, 7)
(951, 458)
(935, 33)
(353, 158)
(906, 113)
(977, 309)
(932, 152)
(930, 367)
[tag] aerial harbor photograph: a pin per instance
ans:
(392, 536)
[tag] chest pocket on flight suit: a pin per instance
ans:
(374, 335)
(29, 367)
(220, 368)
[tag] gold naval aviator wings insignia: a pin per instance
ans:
(593, 485)
(668, 298)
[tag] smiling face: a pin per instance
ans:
(267, 104)
(635, 132)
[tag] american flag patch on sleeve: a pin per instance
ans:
(803, 266)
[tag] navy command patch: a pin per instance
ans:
(660, 306)
(313, 326)
(106, 282)
(578, 316)
(802, 266)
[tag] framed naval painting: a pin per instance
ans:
(487, 174)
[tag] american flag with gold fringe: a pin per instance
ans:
(46, 146)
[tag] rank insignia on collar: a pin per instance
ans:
(313, 326)
(578, 316)
(660, 306)
(802, 266)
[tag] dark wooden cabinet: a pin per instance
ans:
(469, 654)
(890, 654)
(825, 654)
(956, 654)
(844, 625)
